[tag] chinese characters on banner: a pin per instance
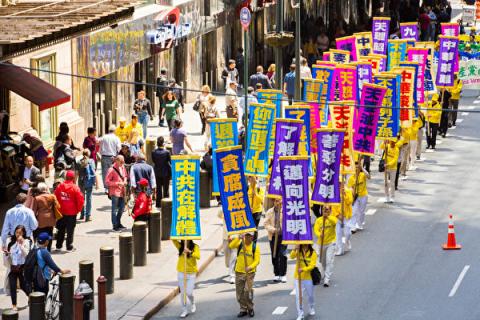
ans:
(327, 188)
(419, 56)
(388, 120)
(296, 227)
(271, 96)
(416, 68)
(233, 191)
(185, 197)
(325, 74)
(430, 86)
(470, 73)
(452, 30)
(380, 32)
(312, 94)
(224, 134)
(409, 30)
(397, 52)
(407, 88)
(342, 118)
(375, 60)
(365, 125)
(287, 138)
(363, 43)
(364, 75)
(445, 71)
(260, 123)
(348, 44)
(339, 56)
(347, 82)
(301, 112)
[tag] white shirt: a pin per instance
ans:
(18, 252)
(109, 145)
(305, 72)
(26, 175)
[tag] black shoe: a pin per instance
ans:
(326, 285)
(116, 229)
(242, 314)
(418, 157)
(251, 313)
(81, 217)
(71, 249)
(121, 226)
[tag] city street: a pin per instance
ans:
(397, 268)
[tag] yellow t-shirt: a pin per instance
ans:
(393, 154)
(122, 133)
(253, 259)
(347, 205)
(134, 133)
(307, 262)
(256, 200)
(434, 112)
(330, 233)
(191, 260)
(359, 185)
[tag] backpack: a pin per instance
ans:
(32, 272)
(90, 177)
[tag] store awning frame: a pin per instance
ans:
(30, 87)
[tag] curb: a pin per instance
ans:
(176, 291)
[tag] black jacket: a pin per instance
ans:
(260, 78)
(162, 162)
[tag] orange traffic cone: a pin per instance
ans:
(451, 243)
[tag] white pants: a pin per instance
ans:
(358, 211)
(190, 285)
(230, 258)
(344, 231)
(326, 260)
(413, 153)
(420, 134)
(307, 287)
(390, 185)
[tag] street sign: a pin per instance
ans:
(245, 17)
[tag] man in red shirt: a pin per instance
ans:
(424, 21)
(71, 203)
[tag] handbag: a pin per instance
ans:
(381, 164)
(196, 106)
(58, 214)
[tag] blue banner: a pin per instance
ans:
(389, 118)
(224, 134)
(259, 135)
(234, 191)
(185, 197)
(325, 74)
(271, 96)
(397, 52)
(302, 112)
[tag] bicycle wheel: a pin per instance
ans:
(52, 305)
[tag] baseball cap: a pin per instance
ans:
(42, 237)
(70, 175)
(143, 182)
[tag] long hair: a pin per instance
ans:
(165, 96)
(190, 246)
(13, 238)
(309, 248)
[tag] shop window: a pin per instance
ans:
(45, 121)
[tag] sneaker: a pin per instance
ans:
(232, 279)
(349, 245)
(121, 226)
(184, 314)
(115, 229)
(339, 253)
(276, 279)
(360, 227)
(71, 249)
(194, 308)
(283, 279)
(251, 313)
(312, 312)
(403, 178)
(326, 283)
(392, 200)
(242, 314)
(300, 318)
(88, 219)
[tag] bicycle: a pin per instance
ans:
(52, 303)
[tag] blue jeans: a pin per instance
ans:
(87, 207)
(118, 205)
(143, 119)
(106, 164)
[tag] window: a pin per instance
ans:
(45, 121)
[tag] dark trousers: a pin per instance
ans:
(290, 100)
(256, 218)
(444, 123)
(397, 175)
(66, 225)
(204, 123)
(13, 276)
(163, 185)
(432, 135)
(453, 114)
(366, 163)
(280, 260)
(48, 230)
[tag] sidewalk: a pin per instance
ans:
(154, 285)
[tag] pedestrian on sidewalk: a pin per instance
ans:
(390, 156)
(14, 258)
(434, 114)
(289, 84)
(135, 134)
(358, 184)
(307, 261)
(109, 145)
(87, 179)
(456, 91)
(345, 223)
(273, 224)
(325, 230)
(117, 183)
(162, 88)
(170, 108)
(140, 170)
(248, 258)
(162, 165)
(256, 194)
(121, 131)
(179, 138)
(271, 74)
(143, 109)
(230, 73)
(242, 106)
(230, 254)
(178, 92)
(231, 100)
(210, 112)
(44, 207)
(64, 156)
(28, 174)
(16, 216)
(71, 203)
(37, 151)
(91, 143)
(200, 105)
(259, 77)
(191, 252)
(126, 154)
(143, 203)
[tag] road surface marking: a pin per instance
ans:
(292, 293)
(476, 101)
(439, 142)
(459, 281)
(459, 121)
(370, 212)
(470, 107)
(465, 113)
(279, 310)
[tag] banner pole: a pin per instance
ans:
(275, 244)
(185, 272)
(299, 277)
(386, 161)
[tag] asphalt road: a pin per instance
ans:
(397, 269)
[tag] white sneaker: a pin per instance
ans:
(326, 283)
(359, 227)
(184, 314)
(232, 280)
(312, 312)
(339, 253)
(349, 245)
(194, 308)
(392, 200)
(276, 279)
(283, 279)
(387, 200)
(403, 178)
(300, 318)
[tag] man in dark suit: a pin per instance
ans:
(28, 174)
(259, 77)
(163, 170)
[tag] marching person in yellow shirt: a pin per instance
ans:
(413, 137)
(358, 185)
(344, 225)
(192, 255)
(248, 258)
(434, 114)
(325, 230)
(307, 260)
(121, 131)
(390, 156)
(256, 194)
(456, 91)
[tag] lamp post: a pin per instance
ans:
(296, 5)
(278, 50)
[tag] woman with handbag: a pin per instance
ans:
(17, 251)
(199, 105)
(47, 211)
(306, 261)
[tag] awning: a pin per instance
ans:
(32, 88)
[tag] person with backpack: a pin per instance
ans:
(248, 258)
(45, 206)
(87, 179)
(191, 252)
(307, 259)
(143, 203)
(117, 183)
(64, 156)
(39, 265)
(71, 203)
(17, 251)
